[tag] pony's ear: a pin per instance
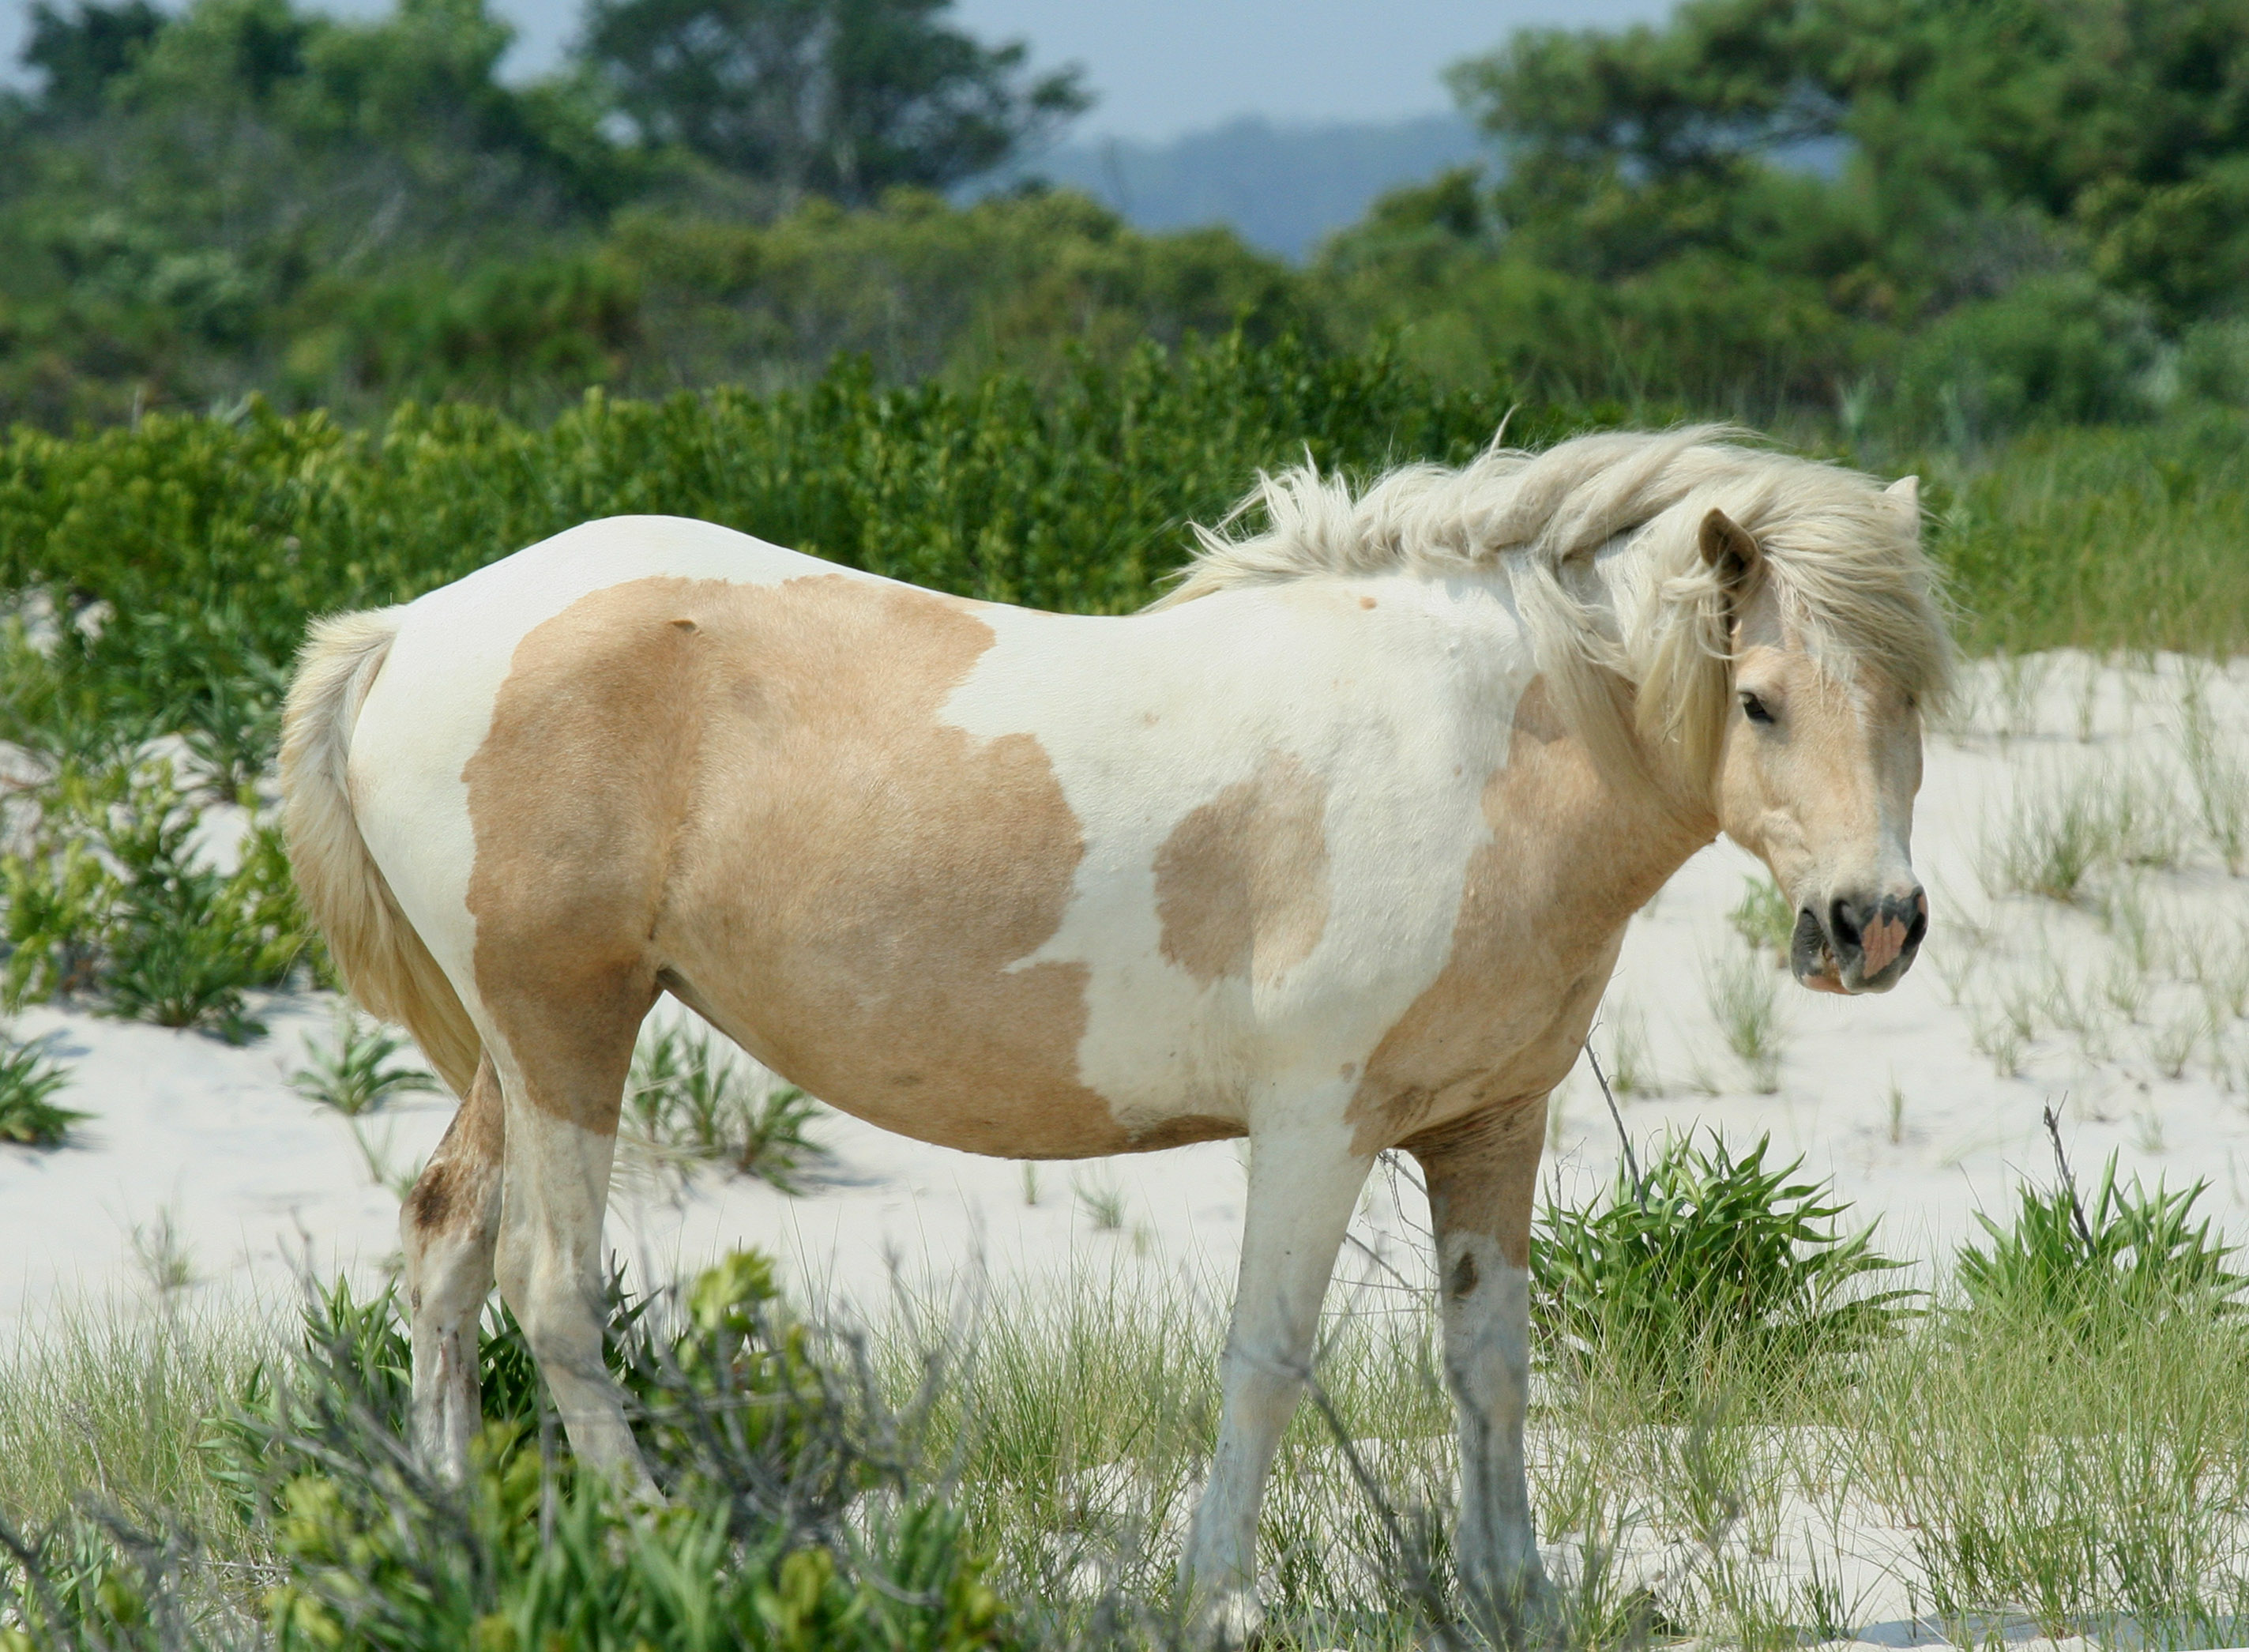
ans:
(1728, 548)
(1906, 491)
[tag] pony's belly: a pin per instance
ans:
(997, 1087)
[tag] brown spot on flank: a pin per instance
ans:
(1241, 883)
(1366, 602)
(769, 811)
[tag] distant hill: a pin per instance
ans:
(1280, 187)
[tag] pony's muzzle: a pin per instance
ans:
(1862, 944)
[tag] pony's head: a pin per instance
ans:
(1817, 763)
(1748, 636)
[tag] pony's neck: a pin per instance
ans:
(1596, 845)
(1584, 834)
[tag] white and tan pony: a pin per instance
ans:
(1332, 849)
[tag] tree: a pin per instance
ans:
(840, 98)
(1980, 142)
(80, 54)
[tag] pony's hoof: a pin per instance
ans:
(1232, 1621)
(1526, 1614)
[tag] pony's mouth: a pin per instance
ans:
(1812, 957)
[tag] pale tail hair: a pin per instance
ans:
(382, 960)
(1647, 686)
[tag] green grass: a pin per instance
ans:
(1763, 919)
(2056, 841)
(2101, 539)
(2056, 1446)
(1744, 1000)
(107, 1401)
(354, 1071)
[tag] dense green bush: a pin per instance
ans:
(109, 898)
(209, 541)
(794, 1522)
(2052, 350)
(1711, 1261)
(2074, 1262)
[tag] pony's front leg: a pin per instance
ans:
(1482, 1173)
(1304, 1184)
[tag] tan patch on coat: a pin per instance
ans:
(751, 790)
(1241, 883)
(1542, 908)
(1482, 1173)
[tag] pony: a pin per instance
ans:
(1332, 847)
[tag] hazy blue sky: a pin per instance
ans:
(1167, 66)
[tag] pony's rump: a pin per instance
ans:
(383, 962)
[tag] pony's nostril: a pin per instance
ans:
(1919, 924)
(1843, 926)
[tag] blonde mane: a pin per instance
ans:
(1645, 679)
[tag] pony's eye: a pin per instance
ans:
(1753, 709)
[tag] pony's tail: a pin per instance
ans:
(383, 961)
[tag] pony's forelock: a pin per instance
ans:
(1642, 672)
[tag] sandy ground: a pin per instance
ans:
(2123, 1008)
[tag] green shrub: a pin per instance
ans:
(211, 541)
(793, 1522)
(353, 1072)
(688, 1098)
(1715, 1261)
(108, 899)
(2130, 1249)
(231, 727)
(28, 1075)
(2055, 349)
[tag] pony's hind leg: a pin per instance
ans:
(448, 1228)
(563, 1075)
(1481, 1173)
(1304, 1185)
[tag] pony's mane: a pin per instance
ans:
(1644, 677)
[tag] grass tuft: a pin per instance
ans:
(690, 1101)
(1712, 1259)
(355, 1072)
(29, 1078)
(1763, 919)
(1745, 1002)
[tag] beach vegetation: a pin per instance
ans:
(690, 1101)
(31, 1077)
(356, 1070)
(1744, 1000)
(1015, 1469)
(1763, 919)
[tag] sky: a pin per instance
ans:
(1163, 67)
